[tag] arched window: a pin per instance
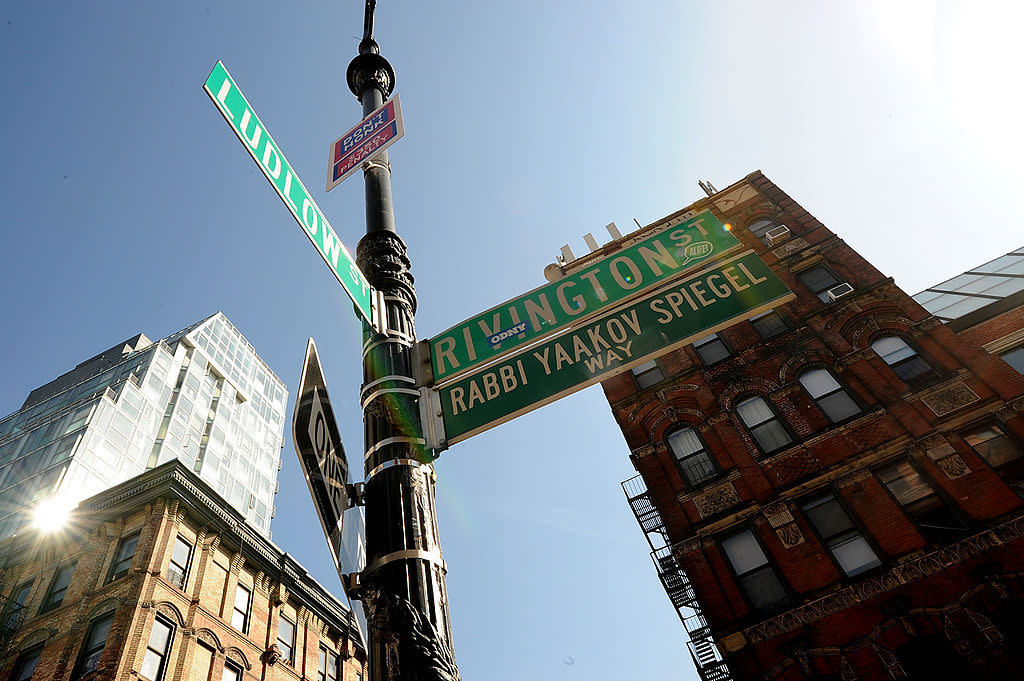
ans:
(764, 426)
(691, 455)
(830, 397)
(904, 361)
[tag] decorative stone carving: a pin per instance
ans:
(953, 466)
(853, 477)
(939, 451)
(790, 535)
(716, 499)
(950, 398)
(777, 514)
(733, 642)
(736, 197)
(790, 247)
(271, 655)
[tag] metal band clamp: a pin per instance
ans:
(417, 554)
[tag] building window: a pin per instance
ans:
(123, 558)
(999, 451)
(15, 607)
(231, 673)
(754, 574)
(764, 426)
(934, 518)
(240, 612)
(904, 362)
(58, 587)
(92, 649)
(830, 397)
(769, 324)
(711, 349)
(25, 667)
(648, 374)
(286, 639)
(692, 457)
(159, 645)
(760, 228)
(177, 569)
(1015, 358)
(328, 669)
(819, 281)
(840, 536)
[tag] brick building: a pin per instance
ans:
(831, 490)
(159, 578)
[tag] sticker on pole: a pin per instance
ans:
(371, 136)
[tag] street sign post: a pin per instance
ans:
(256, 139)
(610, 282)
(370, 137)
(675, 315)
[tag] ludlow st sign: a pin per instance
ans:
(254, 136)
(675, 315)
(610, 282)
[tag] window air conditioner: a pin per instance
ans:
(777, 235)
(837, 292)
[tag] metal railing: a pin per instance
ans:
(701, 645)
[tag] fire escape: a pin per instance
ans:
(707, 659)
(11, 614)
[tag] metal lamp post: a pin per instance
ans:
(403, 585)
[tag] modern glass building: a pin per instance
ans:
(201, 395)
(976, 288)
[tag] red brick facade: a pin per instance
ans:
(939, 564)
(166, 507)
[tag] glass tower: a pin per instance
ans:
(976, 288)
(201, 395)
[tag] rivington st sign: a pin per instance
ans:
(610, 282)
(672, 316)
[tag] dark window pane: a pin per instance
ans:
(698, 468)
(936, 521)
(760, 228)
(1015, 358)
(838, 406)
(992, 444)
(818, 281)
(647, 374)
(769, 324)
(765, 428)
(711, 349)
(25, 667)
(905, 483)
(744, 552)
(58, 587)
(177, 569)
(123, 558)
(771, 436)
(828, 517)
(764, 590)
(854, 554)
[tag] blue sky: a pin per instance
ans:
(130, 206)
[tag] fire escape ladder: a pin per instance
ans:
(701, 644)
(11, 615)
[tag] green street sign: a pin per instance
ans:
(676, 315)
(257, 141)
(619, 277)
